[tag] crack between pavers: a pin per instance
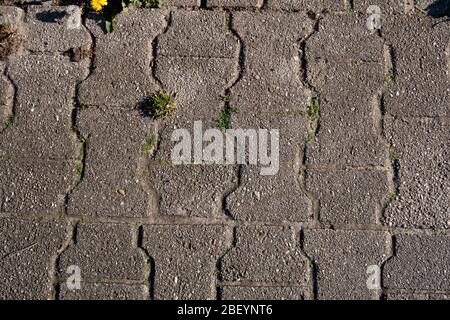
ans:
(230, 244)
(240, 59)
(392, 162)
(150, 264)
(77, 107)
(55, 261)
(314, 125)
(390, 246)
(145, 160)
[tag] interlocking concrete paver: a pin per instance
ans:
(55, 29)
(421, 60)
(197, 80)
(180, 3)
(104, 251)
(316, 5)
(104, 291)
(386, 6)
(421, 149)
(184, 38)
(185, 258)
(121, 74)
(283, 259)
(235, 3)
(271, 79)
(346, 69)
(45, 89)
(417, 296)
(264, 198)
(31, 187)
(341, 261)
(114, 139)
(350, 196)
(420, 262)
(27, 249)
(271, 91)
(262, 293)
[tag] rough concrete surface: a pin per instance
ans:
(355, 123)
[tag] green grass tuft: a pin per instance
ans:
(313, 111)
(225, 118)
(390, 80)
(161, 105)
(8, 123)
(149, 144)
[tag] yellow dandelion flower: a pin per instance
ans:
(98, 5)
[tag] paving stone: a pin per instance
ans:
(271, 91)
(420, 262)
(261, 197)
(55, 29)
(191, 190)
(421, 60)
(185, 38)
(342, 258)
(417, 296)
(283, 261)
(104, 251)
(386, 6)
(316, 5)
(422, 148)
(43, 106)
(114, 140)
(235, 3)
(31, 187)
(198, 84)
(347, 137)
(346, 70)
(104, 291)
(27, 249)
(262, 293)
(180, 3)
(122, 71)
(185, 258)
(348, 196)
(407, 296)
(271, 79)
(439, 296)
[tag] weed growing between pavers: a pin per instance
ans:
(390, 80)
(149, 145)
(160, 106)
(110, 9)
(9, 41)
(225, 118)
(313, 110)
(8, 123)
(314, 114)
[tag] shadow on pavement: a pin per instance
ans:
(439, 9)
